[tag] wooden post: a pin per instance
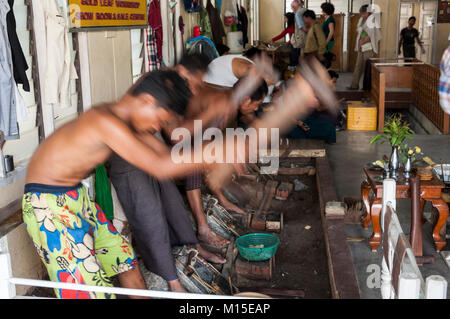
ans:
(381, 102)
(416, 217)
(35, 72)
(84, 71)
(446, 128)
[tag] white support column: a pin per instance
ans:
(389, 187)
(179, 41)
(409, 286)
(7, 290)
(85, 76)
(389, 191)
(436, 287)
(167, 37)
(387, 292)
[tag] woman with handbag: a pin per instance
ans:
(366, 43)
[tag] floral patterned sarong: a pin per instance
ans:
(75, 241)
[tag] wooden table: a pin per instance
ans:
(430, 191)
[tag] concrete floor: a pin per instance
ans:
(345, 79)
(347, 159)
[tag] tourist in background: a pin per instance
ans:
(367, 41)
(408, 37)
(316, 44)
(289, 19)
(328, 27)
(298, 40)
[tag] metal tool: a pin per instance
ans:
(9, 163)
(258, 220)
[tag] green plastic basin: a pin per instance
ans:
(257, 246)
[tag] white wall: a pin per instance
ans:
(271, 19)
(109, 65)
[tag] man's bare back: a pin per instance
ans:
(72, 152)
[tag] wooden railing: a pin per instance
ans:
(425, 95)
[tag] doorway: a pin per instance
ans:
(425, 13)
(427, 29)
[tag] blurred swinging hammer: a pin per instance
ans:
(295, 102)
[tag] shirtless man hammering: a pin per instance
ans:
(75, 241)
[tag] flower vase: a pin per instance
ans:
(394, 162)
(408, 166)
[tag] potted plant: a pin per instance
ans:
(396, 131)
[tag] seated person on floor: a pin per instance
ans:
(312, 128)
(320, 124)
(209, 101)
(272, 90)
(155, 208)
(223, 73)
(248, 108)
(322, 114)
(75, 241)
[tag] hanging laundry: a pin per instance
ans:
(155, 22)
(243, 23)
(181, 27)
(219, 5)
(154, 63)
(18, 58)
(205, 23)
(216, 24)
(21, 108)
(51, 30)
(103, 196)
(8, 115)
(229, 12)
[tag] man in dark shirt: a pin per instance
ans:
(407, 39)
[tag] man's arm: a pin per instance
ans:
(331, 34)
(120, 139)
(363, 41)
(241, 67)
(154, 143)
(420, 43)
(212, 107)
